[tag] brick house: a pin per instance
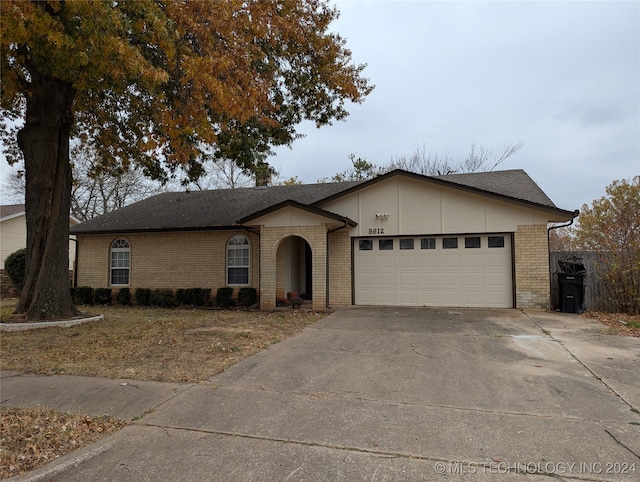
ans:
(465, 240)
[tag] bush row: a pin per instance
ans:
(85, 295)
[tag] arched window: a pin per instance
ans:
(238, 261)
(120, 262)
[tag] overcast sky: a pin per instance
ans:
(562, 77)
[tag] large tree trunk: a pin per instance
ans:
(44, 141)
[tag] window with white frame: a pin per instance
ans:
(238, 261)
(120, 262)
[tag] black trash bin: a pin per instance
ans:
(571, 292)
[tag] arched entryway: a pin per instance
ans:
(294, 268)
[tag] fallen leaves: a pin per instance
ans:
(618, 323)
(33, 436)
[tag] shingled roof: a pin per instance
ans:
(222, 208)
(8, 210)
(215, 209)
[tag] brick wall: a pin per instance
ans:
(193, 259)
(532, 267)
(340, 269)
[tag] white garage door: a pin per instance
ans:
(465, 271)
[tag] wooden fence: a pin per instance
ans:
(596, 296)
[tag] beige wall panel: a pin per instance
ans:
(382, 198)
(289, 216)
(13, 236)
(502, 216)
(420, 208)
(346, 206)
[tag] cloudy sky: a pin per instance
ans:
(563, 77)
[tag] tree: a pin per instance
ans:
(478, 159)
(611, 228)
(153, 84)
(218, 174)
(97, 190)
(360, 170)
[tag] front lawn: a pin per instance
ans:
(168, 345)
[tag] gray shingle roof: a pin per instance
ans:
(513, 183)
(10, 209)
(204, 209)
(222, 208)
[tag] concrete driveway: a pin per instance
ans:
(397, 394)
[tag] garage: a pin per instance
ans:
(471, 270)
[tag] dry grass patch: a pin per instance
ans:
(33, 437)
(617, 323)
(168, 345)
(177, 345)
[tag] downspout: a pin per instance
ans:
(329, 232)
(575, 215)
(75, 263)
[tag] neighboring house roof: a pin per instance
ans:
(228, 208)
(9, 211)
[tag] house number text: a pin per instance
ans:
(376, 230)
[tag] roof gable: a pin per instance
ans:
(296, 205)
(511, 186)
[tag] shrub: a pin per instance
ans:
(247, 297)
(143, 296)
(83, 295)
(163, 297)
(193, 296)
(102, 296)
(15, 266)
(124, 296)
(224, 297)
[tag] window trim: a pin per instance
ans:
(228, 247)
(125, 247)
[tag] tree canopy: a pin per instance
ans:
(156, 84)
(611, 227)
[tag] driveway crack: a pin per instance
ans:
(584, 365)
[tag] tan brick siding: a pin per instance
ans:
(270, 239)
(532, 267)
(193, 259)
(340, 269)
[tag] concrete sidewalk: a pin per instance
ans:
(377, 394)
(123, 399)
